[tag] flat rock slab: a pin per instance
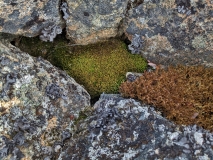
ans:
(28, 17)
(173, 31)
(38, 103)
(93, 21)
(126, 129)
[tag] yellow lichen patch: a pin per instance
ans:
(157, 41)
(52, 123)
(7, 105)
(168, 4)
(13, 58)
(48, 137)
(142, 24)
(74, 27)
(92, 38)
(28, 152)
(43, 143)
(64, 109)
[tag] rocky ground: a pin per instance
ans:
(46, 114)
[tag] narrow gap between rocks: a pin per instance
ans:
(46, 53)
(100, 67)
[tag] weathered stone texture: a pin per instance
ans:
(29, 17)
(174, 31)
(126, 129)
(38, 103)
(93, 21)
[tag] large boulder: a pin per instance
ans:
(121, 128)
(93, 21)
(38, 104)
(29, 18)
(172, 31)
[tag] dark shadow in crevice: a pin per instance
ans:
(16, 41)
(51, 47)
(62, 36)
(12, 42)
(94, 100)
(125, 39)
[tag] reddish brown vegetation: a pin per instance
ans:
(183, 94)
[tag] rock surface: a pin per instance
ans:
(86, 21)
(93, 21)
(173, 31)
(126, 129)
(29, 18)
(38, 104)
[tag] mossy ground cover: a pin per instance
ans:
(184, 94)
(99, 67)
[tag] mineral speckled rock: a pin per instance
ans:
(29, 17)
(173, 31)
(37, 101)
(126, 129)
(93, 21)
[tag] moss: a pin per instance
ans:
(99, 67)
(35, 47)
(183, 94)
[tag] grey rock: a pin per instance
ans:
(136, 44)
(49, 33)
(122, 128)
(132, 76)
(93, 21)
(37, 101)
(86, 21)
(28, 18)
(174, 32)
(65, 10)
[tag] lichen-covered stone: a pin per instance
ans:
(126, 129)
(37, 101)
(93, 21)
(173, 31)
(29, 17)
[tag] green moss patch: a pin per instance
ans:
(98, 67)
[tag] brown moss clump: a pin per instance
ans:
(183, 94)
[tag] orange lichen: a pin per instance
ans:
(184, 94)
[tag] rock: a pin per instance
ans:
(121, 128)
(93, 21)
(86, 22)
(38, 103)
(132, 76)
(172, 32)
(29, 18)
